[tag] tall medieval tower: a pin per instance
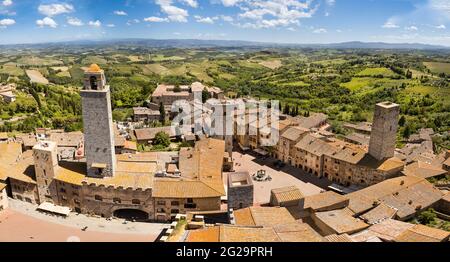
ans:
(384, 130)
(45, 156)
(98, 124)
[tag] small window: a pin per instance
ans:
(98, 198)
(136, 202)
(175, 203)
(117, 200)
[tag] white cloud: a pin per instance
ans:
(74, 21)
(7, 2)
(227, 18)
(320, 31)
(121, 13)
(6, 22)
(230, 2)
(111, 25)
(55, 9)
(390, 25)
(155, 19)
(191, 3)
(411, 28)
(47, 21)
(291, 29)
(272, 13)
(441, 27)
(331, 2)
(174, 14)
(204, 20)
(133, 21)
(96, 23)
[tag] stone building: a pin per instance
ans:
(384, 130)
(144, 114)
(240, 190)
(3, 197)
(288, 139)
(98, 125)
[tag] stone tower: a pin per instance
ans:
(98, 124)
(45, 156)
(384, 130)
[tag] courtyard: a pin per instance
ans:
(281, 177)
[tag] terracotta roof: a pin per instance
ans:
(341, 221)
(70, 139)
(183, 189)
(294, 133)
(389, 229)
(262, 216)
(378, 214)
(28, 140)
(148, 134)
(10, 152)
(324, 201)
(447, 162)
(286, 194)
(423, 170)
(94, 68)
(339, 238)
(421, 233)
(130, 145)
(408, 194)
(242, 234)
(23, 171)
(209, 234)
(297, 232)
(71, 173)
(365, 236)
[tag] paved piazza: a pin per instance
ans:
(21, 223)
(287, 176)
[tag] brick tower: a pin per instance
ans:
(98, 124)
(384, 130)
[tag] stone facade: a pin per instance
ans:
(98, 124)
(167, 208)
(45, 162)
(240, 190)
(3, 197)
(384, 130)
(105, 201)
(24, 191)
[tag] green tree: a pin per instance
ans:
(402, 121)
(427, 217)
(406, 132)
(162, 139)
(162, 111)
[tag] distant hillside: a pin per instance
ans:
(197, 43)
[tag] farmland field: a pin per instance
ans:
(273, 64)
(376, 72)
(437, 67)
(36, 77)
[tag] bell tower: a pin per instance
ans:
(98, 124)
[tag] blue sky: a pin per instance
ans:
(283, 21)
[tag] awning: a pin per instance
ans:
(261, 152)
(99, 165)
(243, 148)
(49, 207)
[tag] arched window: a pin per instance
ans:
(93, 82)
